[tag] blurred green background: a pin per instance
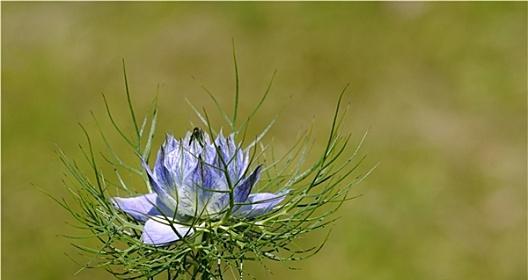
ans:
(441, 87)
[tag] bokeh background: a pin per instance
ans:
(441, 87)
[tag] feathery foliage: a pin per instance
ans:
(219, 247)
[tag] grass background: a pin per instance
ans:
(440, 86)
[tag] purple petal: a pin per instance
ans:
(163, 194)
(204, 177)
(233, 156)
(209, 153)
(201, 188)
(168, 162)
(158, 232)
(259, 204)
(221, 155)
(161, 173)
(238, 159)
(179, 161)
(217, 203)
(243, 190)
(171, 143)
(139, 207)
(154, 184)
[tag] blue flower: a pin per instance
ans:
(192, 178)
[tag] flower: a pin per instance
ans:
(195, 178)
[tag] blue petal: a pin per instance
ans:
(209, 153)
(170, 142)
(179, 161)
(201, 190)
(162, 191)
(243, 190)
(259, 204)
(236, 159)
(154, 184)
(161, 173)
(202, 182)
(222, 156)
(217, 203)
(158, 232)
(168, 163)
(139, 207)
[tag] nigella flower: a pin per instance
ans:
(203, 199)
(196, 178)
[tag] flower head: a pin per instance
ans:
(200, 199)
(196, 178)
